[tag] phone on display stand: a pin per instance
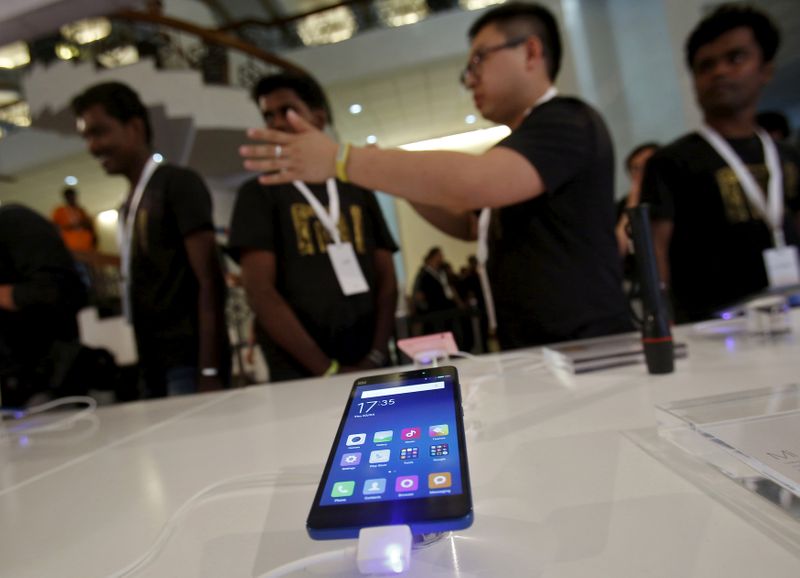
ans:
(399, 457)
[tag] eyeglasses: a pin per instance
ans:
(475, 63)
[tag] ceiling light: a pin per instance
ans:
(401, 12)
(87, 30)
(372, 139)
(8, 96)
(108, 217)
(67, 51)
(478, 4)
(327, 27)
(481, 138)
(70, 181)
(119, 56)
(470, 119)
(14, 55)
(18, 114)
(355, 108)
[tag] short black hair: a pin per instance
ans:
(431, 252)
(728, 17)
(515, 19)
(70, 191)
(774, 121)
(119, 100)
(640, 148)
(303, 85)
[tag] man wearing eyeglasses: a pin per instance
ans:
(552, 264)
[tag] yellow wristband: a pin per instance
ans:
(341, 162)
(333, 369)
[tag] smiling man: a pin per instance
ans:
(710, 227)
(173, 281)
(552, 260)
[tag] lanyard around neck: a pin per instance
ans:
(126, 231)
(770, 208)
(329, 220)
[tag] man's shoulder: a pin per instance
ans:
(354, 191)
(682, 150)
(169, 178)
(570, 107)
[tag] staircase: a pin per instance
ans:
(194, 124)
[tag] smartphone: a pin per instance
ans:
(399, 457)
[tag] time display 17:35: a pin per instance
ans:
(367, 407)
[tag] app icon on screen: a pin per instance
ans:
(436, 431)
(379, 456)
(440, 450)
(409, 453)
(342, 489)
(382, 437)
(439, 480)
(406, 483)
(409, 433)
(373, 487)
(351, 459)
(356, 439)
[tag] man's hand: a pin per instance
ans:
(308, 155)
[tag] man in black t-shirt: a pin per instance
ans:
(552, 259)
(709, 237)
(174, 282)
(307, 325)
(40, 295)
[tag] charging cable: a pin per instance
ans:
(380, 550)
(58, 425)
(209, 493)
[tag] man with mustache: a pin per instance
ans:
(711, 228)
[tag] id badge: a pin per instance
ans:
(348, 271)
(782, 266)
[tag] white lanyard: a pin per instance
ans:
(125, 231)
(770, 208)
(329, 220)
(483, 233)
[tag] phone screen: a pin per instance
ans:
(399, 456)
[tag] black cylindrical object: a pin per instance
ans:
(656, 335)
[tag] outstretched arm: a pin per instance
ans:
(458, 181)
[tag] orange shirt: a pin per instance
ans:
(71, 222)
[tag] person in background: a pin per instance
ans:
(174, 288)
(710, 227)
(289, 239)
(75, 224)
(433, 291)
(553, 264)
(634, 165)
(40, 296)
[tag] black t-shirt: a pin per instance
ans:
(279, 220)
(716, 251)
(164, 287)
(553, 261)
(47, 290)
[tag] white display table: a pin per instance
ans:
(561, 488)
